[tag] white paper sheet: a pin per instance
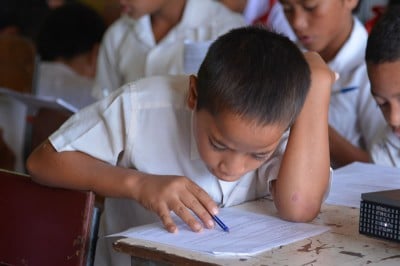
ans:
(349, 182)
(250, 233)
(35, 102)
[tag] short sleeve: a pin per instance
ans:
(99, 130)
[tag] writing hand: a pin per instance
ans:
(163, 194)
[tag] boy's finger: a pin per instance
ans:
(200, 210)
(183, 212)
(167, 221)
(203, 198)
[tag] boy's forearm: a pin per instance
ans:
(76, 170)
(305, 169)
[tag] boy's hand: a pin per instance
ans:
(320, 72)
(163, 194)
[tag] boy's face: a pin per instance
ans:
(232, 146)
(385, 87)
(139, 8)
(320, 25)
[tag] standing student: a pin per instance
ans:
(187, 143)
(329, 28)
(383, 63)
(149, 38)
(68, 44)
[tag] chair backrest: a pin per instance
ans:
(44, 123)
(45, 226)
(18, 61)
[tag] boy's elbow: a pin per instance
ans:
(32, 166)
(37, 160)
(300, 210)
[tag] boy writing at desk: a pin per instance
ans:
(187, 144)
(383, 64)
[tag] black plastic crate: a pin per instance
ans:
(380, 214)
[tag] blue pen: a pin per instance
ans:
(220, 223)
(346, 90)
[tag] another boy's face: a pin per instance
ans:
(385, 88)
(320, 25)
(231, 146)
(139, 8)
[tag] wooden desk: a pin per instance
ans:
(342, 245)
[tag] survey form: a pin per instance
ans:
(249, 233)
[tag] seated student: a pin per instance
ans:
(12, 112)
(329, 28)
(187, 143)
(264, 12)
(68, 44)
(149, 39)
(383, 63)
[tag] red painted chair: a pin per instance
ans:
(45, 226)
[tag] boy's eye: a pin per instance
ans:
(286, 8)
(260, 157)
(381, 105)
(381, 102)
(310, 8)
(216, 146)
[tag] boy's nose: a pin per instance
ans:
(233, 166)
(394, 116)
(298, 19)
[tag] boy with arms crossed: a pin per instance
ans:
(383, 64)
(187, 143)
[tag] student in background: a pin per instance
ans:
(9, 18)
(12, 112)
(149, 38)
(263, 12)
(185, 143)
(379, 10)
(68, 44)
(329, 28)
(383, 63)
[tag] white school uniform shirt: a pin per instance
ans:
(13, 122)
(147, 126)
(276, 18)
(385, 149)
(352, 110)
(129, 50)
(58, 80)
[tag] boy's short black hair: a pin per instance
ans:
(255, 73)
(9, 14)
(68, 31)
(383, 43)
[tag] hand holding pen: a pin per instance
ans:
(220, 223)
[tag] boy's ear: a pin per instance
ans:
(192, 97)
